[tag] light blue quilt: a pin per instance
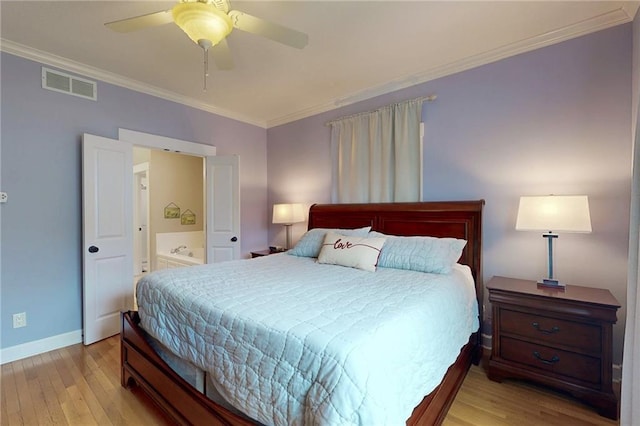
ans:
(288, 341)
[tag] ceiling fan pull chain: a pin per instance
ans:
(205, 44)
(206, 69)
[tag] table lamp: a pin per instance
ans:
(553, 213)
(288, 214)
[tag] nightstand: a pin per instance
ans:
(267, 252)
(562, 339)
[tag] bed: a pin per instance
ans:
(143, 365)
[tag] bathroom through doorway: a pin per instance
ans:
(169, 210)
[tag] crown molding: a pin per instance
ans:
(65, 64)
(619, 16)
(631, 8)
(610, 19)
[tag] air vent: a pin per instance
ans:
(65, 83)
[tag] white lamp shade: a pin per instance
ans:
(288, 213)
(554, 213)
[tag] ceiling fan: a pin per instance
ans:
(208, 23)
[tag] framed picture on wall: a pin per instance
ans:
(188, 218)
(171, 211)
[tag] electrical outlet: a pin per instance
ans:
(20, 320)
(3, 197)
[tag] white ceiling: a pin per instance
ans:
(356, 49)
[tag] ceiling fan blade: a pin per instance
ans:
(270, 30)
(222, 55)
(142, 21)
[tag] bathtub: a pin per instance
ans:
(185, 257)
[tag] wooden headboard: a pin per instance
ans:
(454, 219)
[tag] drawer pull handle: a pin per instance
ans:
(551, 361)
(554, 329)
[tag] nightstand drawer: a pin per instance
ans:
(552, 331)
(576, 366)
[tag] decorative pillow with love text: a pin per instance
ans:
(351, 251)
(311, 242)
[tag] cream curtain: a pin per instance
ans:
(377, 156)
(630, 404)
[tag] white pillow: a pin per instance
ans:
(423, 254)
(311, 242)
(355, 252)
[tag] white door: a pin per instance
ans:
(223, 208)
(107, 235)
(141, 240)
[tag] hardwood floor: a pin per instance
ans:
(513, 402)
(76, 385)
(80, 385)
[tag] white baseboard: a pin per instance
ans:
(37, 347)
(486, 342)
(616, 373)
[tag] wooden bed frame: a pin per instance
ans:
(458, 219)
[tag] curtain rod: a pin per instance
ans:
(429, 98)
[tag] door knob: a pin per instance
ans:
(234, 239)
(93, 249)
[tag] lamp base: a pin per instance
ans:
(288, 232)
(551, 283)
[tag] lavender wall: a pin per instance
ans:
(636, 72)
(555, 120)
(41, 172)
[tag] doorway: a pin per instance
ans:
(107, 220)
(169, 210)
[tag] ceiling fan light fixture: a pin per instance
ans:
(202, 21)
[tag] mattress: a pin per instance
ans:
(288, 341)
